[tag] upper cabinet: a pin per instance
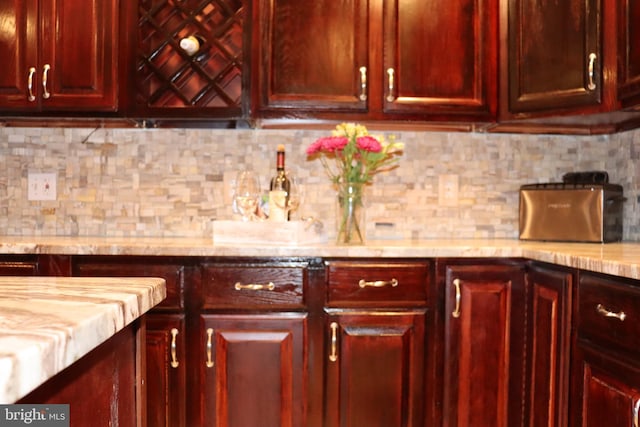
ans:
(555, 57)
(59, 55)
(629, 52)
(382, 59)
(190, 58)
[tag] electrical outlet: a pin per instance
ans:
(448, 190)
(42, 186)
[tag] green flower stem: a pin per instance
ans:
(350, 200)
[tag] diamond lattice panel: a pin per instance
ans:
(168, 77)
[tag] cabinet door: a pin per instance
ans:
(440, 57)
(483, 347)
(79, 43)
(548, 340)
(375, 369)
(629, 52)
(554, 54)
(253, 370)
(607, 393)
(166, 371)
(18, 21)
(311, 55)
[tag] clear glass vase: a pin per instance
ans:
(350, 215)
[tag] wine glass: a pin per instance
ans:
(247, 194)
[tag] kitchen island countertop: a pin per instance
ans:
(619, 259)
(48, 323)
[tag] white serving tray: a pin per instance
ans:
(266, 232)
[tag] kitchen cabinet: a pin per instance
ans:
(548, 339)
(483, 345)
(555, 55)
(252, 343)
(375, 345)
(166, 337)
(171, 82)
(375, 60)
(628, 52)
(59, 56)
(606, 371)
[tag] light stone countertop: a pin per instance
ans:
(619, 259)
(48, 323)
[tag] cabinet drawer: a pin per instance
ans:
(387, 283)
(609, 311)
(254, 286)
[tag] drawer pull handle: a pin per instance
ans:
(45, 74)
(592, 61)
(606, 313)
(390, 73)
(174, 358)
(334, 342)
(456, 311)
(209, 360)
(255, 287)
(636, 414)
(363, 83)
(378, 283)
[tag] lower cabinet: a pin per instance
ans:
(375, 369)
(253, 370)
(606, 359)
(483, 343)
(548, 339)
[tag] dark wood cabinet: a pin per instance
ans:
(375, 342)
(252, 369)
(628, 52)
(59, 55)
(555, 55)
(548, 339)
(375, 59)
(483, 345)
(167, 364)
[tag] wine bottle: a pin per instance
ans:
(279, 190)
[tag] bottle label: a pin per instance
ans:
(277, 201)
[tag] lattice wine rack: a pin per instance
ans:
(168, 76)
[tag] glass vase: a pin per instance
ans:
(350, 216)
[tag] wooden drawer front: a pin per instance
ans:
(356, 283)
(173, 274)
(609, 311)
(247, 286)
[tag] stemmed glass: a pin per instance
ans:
(247, 194)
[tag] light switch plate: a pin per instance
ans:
(42, 186)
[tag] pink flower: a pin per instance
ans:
(328, 144)
(369, 143)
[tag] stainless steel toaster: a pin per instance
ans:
(571, 212)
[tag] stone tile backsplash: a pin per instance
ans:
(153, 182)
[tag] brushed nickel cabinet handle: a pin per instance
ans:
(254, 286)
(209, 362)
(174, 358)
(606, 313)
(32, 72)
(45, 74)
(456, 311)
(378, 283)
(333, 356)
(363, 83)
(391, 77)
(592, 63)
(636, 414)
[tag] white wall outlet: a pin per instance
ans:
(42, 186)
(448, 190)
